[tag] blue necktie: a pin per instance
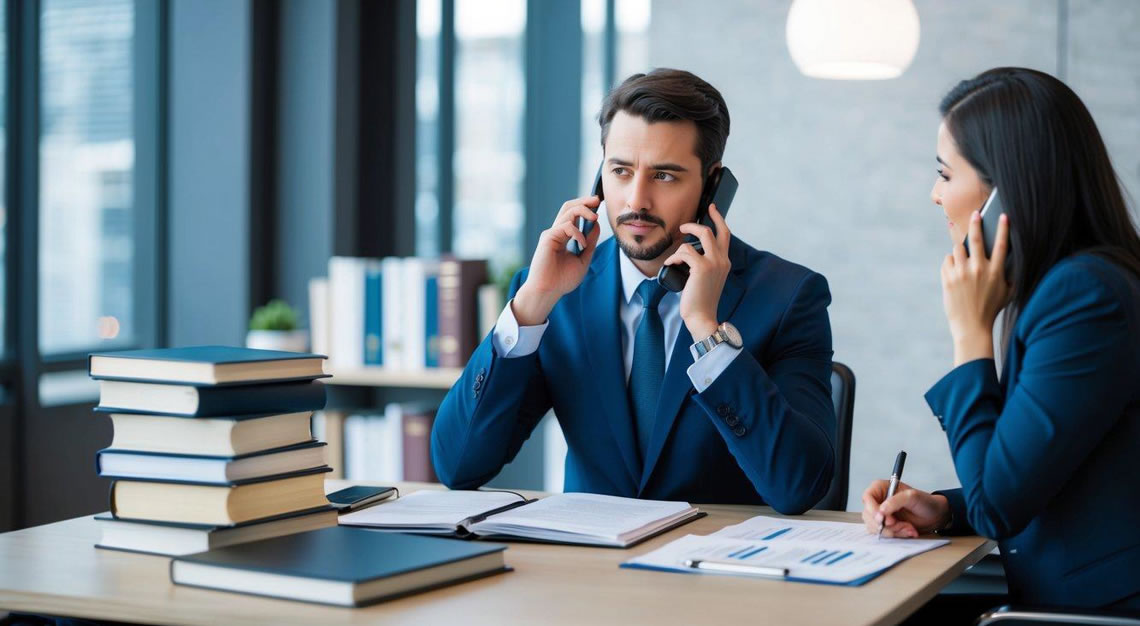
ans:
(648, 363)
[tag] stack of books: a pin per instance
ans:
(212, 447)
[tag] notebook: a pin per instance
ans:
(574, 518)
(835, 553)
(339, 566)
(205, 365)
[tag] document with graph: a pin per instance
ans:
(811, 551)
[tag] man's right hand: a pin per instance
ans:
(909, 513)
(554, 271)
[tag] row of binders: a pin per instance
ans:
(212, 446)
(406, 314)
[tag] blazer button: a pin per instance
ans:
(723, 410)
(732, 421)
(480, 378)
(477, 386)
(739, 431)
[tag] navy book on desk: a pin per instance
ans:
(339, 566)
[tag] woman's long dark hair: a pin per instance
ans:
(1031, 136)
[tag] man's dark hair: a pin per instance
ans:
(668, 95)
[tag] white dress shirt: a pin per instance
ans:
(511, 340)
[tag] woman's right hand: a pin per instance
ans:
(909, 513)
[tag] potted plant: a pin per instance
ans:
(274, 327)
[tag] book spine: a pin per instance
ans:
(346, 284)
(431, 318)
(458, 317)
(391, 312)
(417, 446)
(319, 315)
(373, 315)
(239, 399)
(391, 444)
(491, 303)
(412, 308)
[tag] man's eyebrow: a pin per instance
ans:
(664, 167)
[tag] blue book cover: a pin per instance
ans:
(373, 315)
(216, 355)
(431, 321)
(341, 559)
(210, 401)
(205, 365)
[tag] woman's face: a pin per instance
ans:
(958, 189)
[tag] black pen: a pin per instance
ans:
(896, 476)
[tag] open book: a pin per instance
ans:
(578, 518)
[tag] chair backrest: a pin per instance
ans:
(843, 397)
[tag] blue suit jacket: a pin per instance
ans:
(761, 433)
(1047, 457)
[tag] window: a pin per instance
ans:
(428, 16)
(632, 45)
(489, 98)
(86, 216)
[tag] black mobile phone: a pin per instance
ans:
(992, 211)
(352, 498)
(720, 189)
(584, 224)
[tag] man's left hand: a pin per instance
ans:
(707, 272)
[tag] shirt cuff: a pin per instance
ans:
(511, 340)
(707, 368)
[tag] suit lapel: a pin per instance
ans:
(677, 385)
(599, 297)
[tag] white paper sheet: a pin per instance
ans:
(834, 552)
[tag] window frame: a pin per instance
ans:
(22, 364)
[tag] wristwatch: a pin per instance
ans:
(725, 333)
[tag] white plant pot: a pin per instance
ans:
(287, 340)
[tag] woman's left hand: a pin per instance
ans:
(974, 291)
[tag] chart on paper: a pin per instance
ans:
(811, 551)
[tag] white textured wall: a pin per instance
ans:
(836, 175)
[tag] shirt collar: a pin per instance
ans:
(631, 277)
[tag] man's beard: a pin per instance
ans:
(634, 250)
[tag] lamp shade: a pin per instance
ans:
(852, 39)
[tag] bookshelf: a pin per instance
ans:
(430, 378)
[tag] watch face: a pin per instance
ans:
(731, 335)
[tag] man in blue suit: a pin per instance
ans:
(720, 393)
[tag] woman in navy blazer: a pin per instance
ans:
(1047, 455)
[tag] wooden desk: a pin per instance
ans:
(54, 570)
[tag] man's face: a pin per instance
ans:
(651, 178)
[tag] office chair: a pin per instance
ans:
(843, 397)
(1047, 615)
